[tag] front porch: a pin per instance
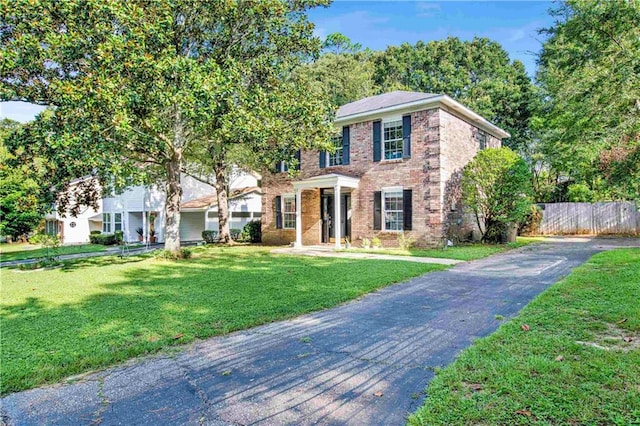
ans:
(335, 207)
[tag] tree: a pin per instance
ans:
(496, 186)
(588, 70)
(23, 201)
(344, 73)
(477, 73)
(136, 84)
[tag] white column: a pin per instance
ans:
(298, 218)
(336, 216)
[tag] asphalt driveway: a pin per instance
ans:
(363, 363)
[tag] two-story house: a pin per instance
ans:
(396, 168)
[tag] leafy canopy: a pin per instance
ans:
(496, 186)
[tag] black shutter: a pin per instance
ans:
(377, 210)
(285, 166)
(323, 159)
(406, 136)
(377, 136)
(276, 168)
(407, 209)
(278, 209)
(299, 158)
(345, 145)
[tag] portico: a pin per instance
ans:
(336, 182)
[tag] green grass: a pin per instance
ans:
(459, 252)
(9, 252)
(543, 376)
(99, 311)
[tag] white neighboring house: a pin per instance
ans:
(143, 207)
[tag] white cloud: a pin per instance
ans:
(427, 9)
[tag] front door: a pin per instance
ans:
(327, 211)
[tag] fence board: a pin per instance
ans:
(618, 217)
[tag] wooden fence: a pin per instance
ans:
(619, 217)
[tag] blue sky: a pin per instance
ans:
(378, 24)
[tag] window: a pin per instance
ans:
(289, 211)
(481, 137)
(335, 158)
(392, 139)
(392, 209)
(51, 227)
(117, 221)
(106, 223)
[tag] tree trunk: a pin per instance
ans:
(174, 189)
(222, 189)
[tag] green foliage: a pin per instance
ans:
(579, 193)
(119, 237)
(477, 73)
(405, 242)
(75, 308)
(252, 231)
(183, 253)
(142, 83)
(376, 243)
(103, 239)
(210, 237)
(23, 201)
(532, 221)
(50, 243)
(513, 377)
(589, 75)
(496, 186)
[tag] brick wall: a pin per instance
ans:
(460, 143)
(440, 146)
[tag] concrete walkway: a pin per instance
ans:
(362, 363)
(330, 252)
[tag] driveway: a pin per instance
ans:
(362, 363)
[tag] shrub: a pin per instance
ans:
(95, 233)
(210, 237)
(376, 243)
(366, 243)
(49, 242)
(235, 234)
(119, 237)
(183, 253)
(496, 186)
(252, 232)
(579, 193)
(405, 242)
(531, 224)
(104, 239)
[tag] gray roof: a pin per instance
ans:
(385, 100)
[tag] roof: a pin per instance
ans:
(211, 200)
(386, 100)
(400, 101)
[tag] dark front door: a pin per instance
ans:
(327, 212)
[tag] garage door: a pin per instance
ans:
(191, 226)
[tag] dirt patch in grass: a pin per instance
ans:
(614, 338)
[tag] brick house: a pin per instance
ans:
(396, 169)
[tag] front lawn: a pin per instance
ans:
(96, 312)
(572, 356)
(465, 252)
(8, 252)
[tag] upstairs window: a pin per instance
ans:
(335, 158)
(481, 137)
(392, 139)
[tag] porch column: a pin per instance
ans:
(298, 218)
(336, 216)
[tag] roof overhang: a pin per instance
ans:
(327, 181)
(433, 102)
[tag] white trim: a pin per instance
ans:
(392, 118)
(284, 213)
(384, 191)
(433, 102)
(327, 181)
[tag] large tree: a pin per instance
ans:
(477, 73)
(137, 84)
(590, 73)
